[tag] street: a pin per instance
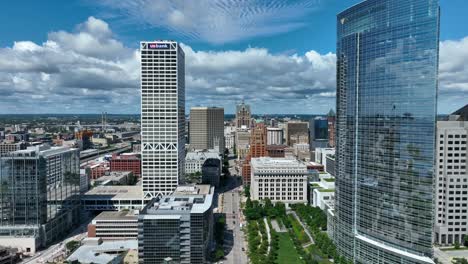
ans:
(57, 250)
(233, 235)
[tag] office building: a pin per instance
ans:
(179, 226)
(243, 116)
(162, 116)
(321, 153)
(387, 63)
(331, 118)
(211, 172)
(279, 179)
(258, 141)
(275, 136)
(297, 132)
(114, 225)
(318, 129)
(194, 160)
(258, 144)
(113, 198)
(273, 122)
(330, 164)
(462, 113)
(39, 202)
(276, 151)
(6, 147)
(451, 221)
(229, 137)
(242, 143)
(207, 128)
(126, 162)
(19, 136)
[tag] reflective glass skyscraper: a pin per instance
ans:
(387, 63)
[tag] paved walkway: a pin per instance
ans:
(268, 233)
(277, 228)
(305, 228)
(445, 257)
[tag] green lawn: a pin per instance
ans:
(287, 253)
(298, 230)
(454, 249)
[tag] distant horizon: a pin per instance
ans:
(69, 114)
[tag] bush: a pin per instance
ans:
(72, 245)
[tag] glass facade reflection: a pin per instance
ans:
(387, 62)
(39, 194)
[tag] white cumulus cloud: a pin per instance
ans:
(89, 71)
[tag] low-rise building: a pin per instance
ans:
(178, 226)
(126, 162)
(100, 141)
(96, 168)
(279, 179)
(114, 225)
(322, 193)
(115, 178)
(315, 166)
(8, 255)
(113, 198)
(321, 154)
(194, 160)
(276, 151)
(94, 250)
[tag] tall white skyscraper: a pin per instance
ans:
(162, 116)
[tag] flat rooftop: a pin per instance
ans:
(268, 161)
(114, 176)
(118, 192)
(202, 189)
(116, 215)
(106, 252)
(185, 199)
(202, 154)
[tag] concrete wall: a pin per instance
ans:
(22, 243)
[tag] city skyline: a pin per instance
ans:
(88, 62)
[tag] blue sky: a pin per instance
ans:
(222, 40)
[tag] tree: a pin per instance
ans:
(269, 209)
(460, 261)
(465, 240)
(219, 254)
(456, 245)
(247, 190)
(72, 245)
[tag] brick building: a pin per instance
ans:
(126, 162)
(258, 148)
